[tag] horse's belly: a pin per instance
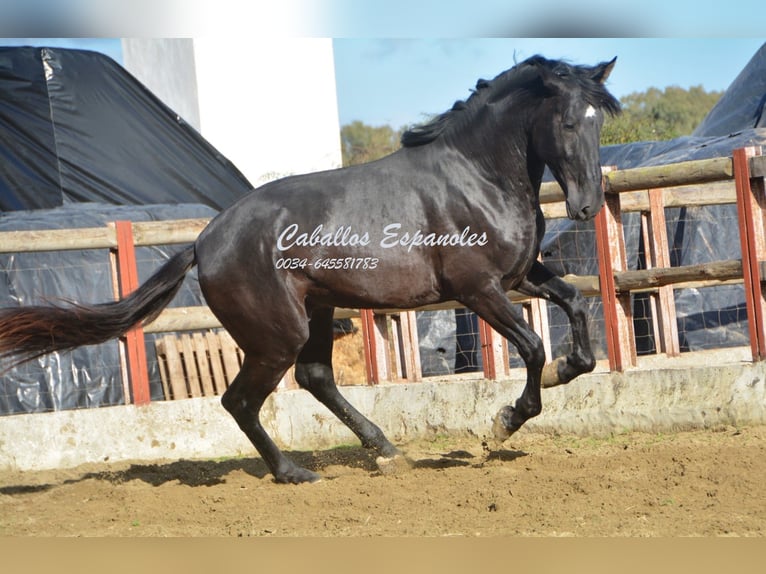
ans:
(372, 283)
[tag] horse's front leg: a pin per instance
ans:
(541, 282)
(493, 305)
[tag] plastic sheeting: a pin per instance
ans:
(76, 127)
(88, 376)
(742, 106)
(83, 143)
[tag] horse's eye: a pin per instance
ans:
(569, 126)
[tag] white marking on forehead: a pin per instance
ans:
(590, 112)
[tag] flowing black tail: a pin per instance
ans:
(30, 332)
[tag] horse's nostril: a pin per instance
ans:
(585, 212)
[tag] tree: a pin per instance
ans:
(659, 114)
(361, 143)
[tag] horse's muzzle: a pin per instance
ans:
(582, 213)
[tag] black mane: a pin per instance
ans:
(523, 75)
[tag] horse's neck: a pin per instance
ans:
(502, 153)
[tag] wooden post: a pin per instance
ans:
(376, 346)
(536, 314)
(407, 347)
(486, 337)
(127, 271)
(750, 201)
(370, 347)
(658, 255)
(494, 352)
(618, 316)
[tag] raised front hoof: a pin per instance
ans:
(297, 475)
(392, 465)
(502, 427)
(551, 373)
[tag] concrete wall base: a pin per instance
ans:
(700, 390)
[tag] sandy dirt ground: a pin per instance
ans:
(705, 482)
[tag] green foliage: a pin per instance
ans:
(659, 114)
(361, 143)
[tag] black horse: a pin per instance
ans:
(453, 215)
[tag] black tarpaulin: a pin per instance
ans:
(76, 127)
(88, 376)
(742, 105)
(83, 143)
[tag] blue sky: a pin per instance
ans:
(401, 81)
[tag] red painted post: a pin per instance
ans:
(127, 272)
(752, 242)
(618, 317)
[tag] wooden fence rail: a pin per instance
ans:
(391, 345)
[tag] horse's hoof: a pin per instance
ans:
(550, 376)
(298, 476)
(391, 465)
(501, 428)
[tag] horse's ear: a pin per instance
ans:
(601, 72)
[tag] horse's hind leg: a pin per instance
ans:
(313, 372)
(541, 282)
(244, 399)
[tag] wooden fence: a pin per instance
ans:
(390, 335)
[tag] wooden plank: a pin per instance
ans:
(183, 319)
(694, 195)
(160, 346)
(213, 346)
(370, 352)
(288, 381)
(203, 364)
(379, 360)
(231, 361)
(683, 173)
(758, 165)
(58, 240)
(179, 319)
(196, 365)
(486, 342)
(536, 314)
(654, 307)
(659, 256)
(168, 232)
(411, 349)
(121, 346)
(176, 375)
(489, 356)
(644, 279)
(395, 352)
(190, 366)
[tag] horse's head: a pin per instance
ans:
(566, 131)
